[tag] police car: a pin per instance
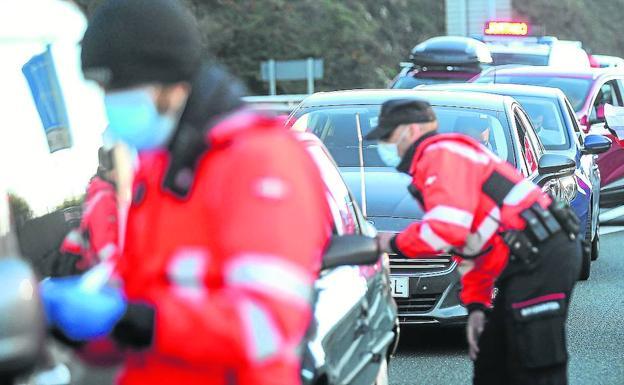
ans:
(511, 43)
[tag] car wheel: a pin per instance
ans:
(586, 263)
(595, 247)
(595, 243)
(382, 376)
(587, 251)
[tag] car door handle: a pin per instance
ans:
(364, 310)
(362, 325)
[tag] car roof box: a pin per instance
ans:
(451, 51)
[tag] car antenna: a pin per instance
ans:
(361, 158)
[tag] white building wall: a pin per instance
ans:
(467, 17)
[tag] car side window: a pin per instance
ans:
(575, 126)
(528, 153)
(534, 142)
(609, 93)
(620, 90)
(339, 197)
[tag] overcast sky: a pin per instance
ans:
(26, 165)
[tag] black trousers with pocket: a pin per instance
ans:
(524, 340)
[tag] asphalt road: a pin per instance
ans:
(433, 356)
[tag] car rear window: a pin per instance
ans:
(411, 81)
(547, 120)
(576, 89)
(337, 127)
(503, 58)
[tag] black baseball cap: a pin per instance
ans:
(395, 112)
(133, 42)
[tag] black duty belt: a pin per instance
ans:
(541, 224)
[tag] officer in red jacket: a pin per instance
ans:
(96, 239)
(228, 221)
(478, 208)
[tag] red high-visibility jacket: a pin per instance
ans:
(230, 268)
(450, 171)
(96, 239)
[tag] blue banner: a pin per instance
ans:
(43, 81)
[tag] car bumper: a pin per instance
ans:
(433, 299)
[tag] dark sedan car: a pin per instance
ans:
(427, 289)
(554, 120)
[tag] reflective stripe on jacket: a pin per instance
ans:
(451, 172)
(230, 268)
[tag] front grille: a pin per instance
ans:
(419, 303)
(420, 265)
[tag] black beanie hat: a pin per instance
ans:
(132, 42)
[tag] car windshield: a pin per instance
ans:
(547, 120)
(502, 58)
(337, 127)
(576, 89)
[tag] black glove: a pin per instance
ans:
(135, 329)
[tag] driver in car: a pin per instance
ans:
(503, 229)
(475, 127)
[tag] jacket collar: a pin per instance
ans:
(407, 160)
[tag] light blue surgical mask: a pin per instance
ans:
(389, 152)
(133, 118)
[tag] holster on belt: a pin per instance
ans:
(541, 225)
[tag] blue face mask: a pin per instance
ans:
(134, 119)
(389, 154)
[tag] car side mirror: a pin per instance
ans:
(556, 165)
(346, 250)
(596, 144)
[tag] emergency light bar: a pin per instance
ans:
(506, 28)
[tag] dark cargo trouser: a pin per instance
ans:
(524, 340)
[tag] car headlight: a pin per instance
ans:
(568, 188)
(564, 189)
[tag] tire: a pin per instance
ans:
(382, 376)
(586, 263)
(587, 251)
(595, 243)
(595, 250)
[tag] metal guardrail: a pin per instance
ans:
(280, 103)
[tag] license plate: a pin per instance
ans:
(400, 286)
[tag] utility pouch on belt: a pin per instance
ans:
(540, 226)
(521, 248)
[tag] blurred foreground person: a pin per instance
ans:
(504, 231)
(96, 239)
(227, 225)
